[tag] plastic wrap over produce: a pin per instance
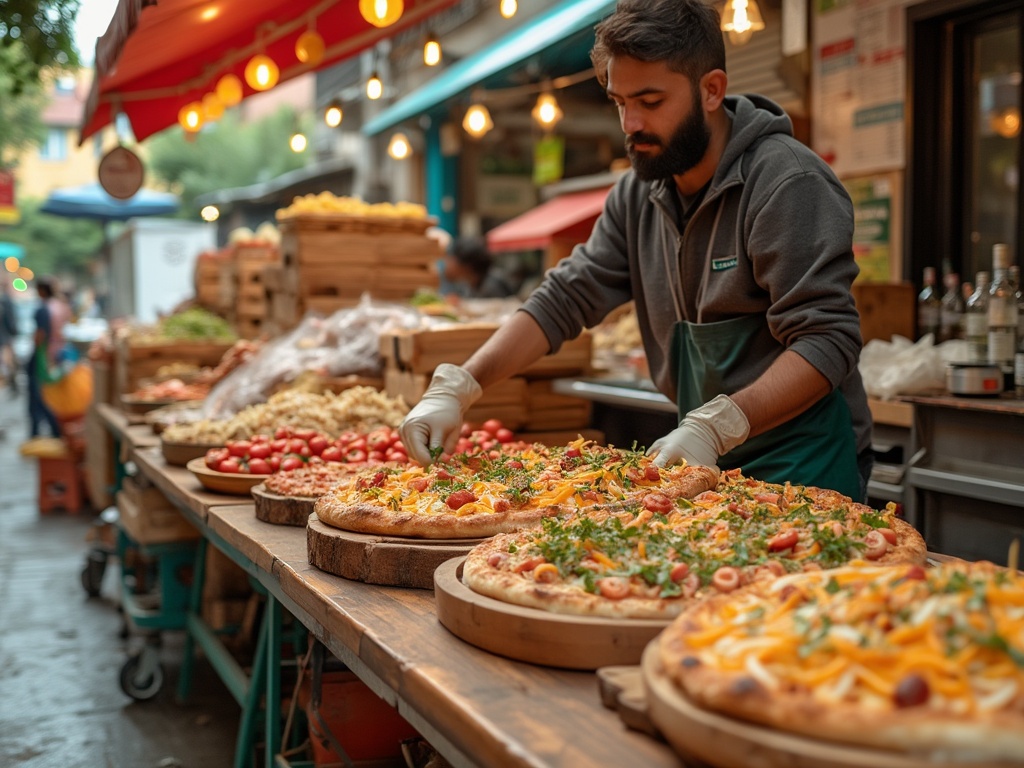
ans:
(902, 367)
(344, 344)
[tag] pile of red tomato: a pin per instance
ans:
(290, 449)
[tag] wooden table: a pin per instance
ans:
(123, 429)
(476, 708)
(178, 484)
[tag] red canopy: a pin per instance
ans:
(156, 58)
(568, 216)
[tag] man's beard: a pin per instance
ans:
(684, 150)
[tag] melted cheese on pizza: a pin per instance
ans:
(949, 638)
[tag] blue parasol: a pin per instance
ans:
(90, 201)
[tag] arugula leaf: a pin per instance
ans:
(874, 520)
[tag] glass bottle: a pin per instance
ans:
(928, 306)
(1002, 312)
(951, 313)
(976, 319)
(1018, 360)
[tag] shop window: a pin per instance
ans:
(56, 145)
(965, 160)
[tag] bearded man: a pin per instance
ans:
(735, 242)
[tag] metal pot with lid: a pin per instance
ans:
(974, 379)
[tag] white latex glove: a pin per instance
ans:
(436, 419)
(703, 435)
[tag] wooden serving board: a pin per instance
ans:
(708, 738)
(539, 637)
(390, 560)
(281, 510)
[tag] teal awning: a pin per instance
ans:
(11, 249)
(549, 28)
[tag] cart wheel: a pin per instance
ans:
(142, 676)
(92, 574)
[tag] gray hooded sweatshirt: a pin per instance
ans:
(781, 250)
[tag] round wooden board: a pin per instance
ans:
(390, 560)
(180, 454)
(223, 482)
(725, 742)
(539, 637)
(281, 510)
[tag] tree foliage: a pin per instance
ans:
(20, 123)
(224, 155)
(44, 31)
(55, 245)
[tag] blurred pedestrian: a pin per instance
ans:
(8, 330)
(39, 364)
(469, 268)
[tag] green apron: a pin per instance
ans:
(816, 447)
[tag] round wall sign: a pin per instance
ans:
(121, 173)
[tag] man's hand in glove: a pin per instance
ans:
(435, 421)
(703, 435)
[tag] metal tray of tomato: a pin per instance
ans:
(239, 484)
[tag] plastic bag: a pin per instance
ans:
(69, 396)
(902, 367)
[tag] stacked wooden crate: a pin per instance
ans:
(330, 260)
(525, 404)
(135, 361)
(251, 309)
(207, 280)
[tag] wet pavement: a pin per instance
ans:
(61, 652)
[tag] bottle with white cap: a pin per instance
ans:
(1002, 312)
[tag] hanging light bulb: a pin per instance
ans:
(508, 8)
(741, 19)
(333, 114)
(191, 116)
(309, 48)
(298, 142)
(399, 147)
(210, 213)
(546, 111)
(229, 90)
(261, 73)
(213, 107)
(431, 51)
(374, 87)
(381, 13)
(477, 121)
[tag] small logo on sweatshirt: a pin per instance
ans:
(726, 262)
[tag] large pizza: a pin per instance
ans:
(923, 661)
(638, 559)
(478, 496)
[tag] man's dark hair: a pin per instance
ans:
(685, 34)
(44, 287)
(472, 253)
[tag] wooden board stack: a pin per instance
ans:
(525, 404)
(330, 260)
(207, 280)
(250, 307)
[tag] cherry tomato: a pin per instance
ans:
(282, 432)
(259, 467)
(400, 456)
(292, 462)
(359, 444)
(504, 435)
(295, 445)
(460, 499)
(215, 456)
(378, 440)
(318, 443)
(239, 448)
(347, 437)
(229, 466)
(305, 434)
(260, 451)
(280, 445)
(573, 453)
(375, 456)
(463, 445)
(355, 455)
(466, 430)
(332, 453)
(491, 426)
(274, 462)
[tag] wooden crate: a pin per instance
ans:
(250, 327)
(134, 362)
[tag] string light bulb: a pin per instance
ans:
(229, 90)
(210, 213)
(741, 19)
(213, 107)
(399, 147)
(261, 73)
(298, 142)
(508, 8)
(381, 13)
(431, 51)
(333, 114)
(309, 48)
(190, 117)
(546, 111)
(477, 121)
(374, 87)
